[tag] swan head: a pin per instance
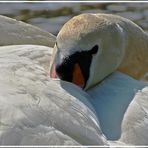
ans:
(89, 47)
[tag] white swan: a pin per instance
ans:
(90, 47)
(35, 110)
(112, 36)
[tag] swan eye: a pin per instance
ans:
(94, 50)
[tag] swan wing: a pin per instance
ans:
(135, 121)
(37, 110)
(17, 32)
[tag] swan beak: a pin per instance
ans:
(78, 77)
(53, 72)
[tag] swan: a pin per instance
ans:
(88, 49)
(96, 38)
(34, 109)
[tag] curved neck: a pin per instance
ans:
(136, 52)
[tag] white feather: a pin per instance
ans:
(37, 110)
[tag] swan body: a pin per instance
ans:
(37, 110)
(33, 112)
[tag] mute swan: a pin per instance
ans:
(89, 48)
(32, 111)
(38, 110)
(100, 41)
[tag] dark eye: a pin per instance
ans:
(94, 50)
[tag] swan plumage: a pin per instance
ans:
(15, 32)
(104, 43)
(35, 109)
(111, 99)
(32, 111)
(135, 121)
(122, 45)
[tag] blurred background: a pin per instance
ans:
(51, 16)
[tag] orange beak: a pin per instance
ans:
(78, 77)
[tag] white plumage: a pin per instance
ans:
(113, 99)
(17, 32)
(35, 110)
(135, 122)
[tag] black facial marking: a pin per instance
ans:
(94, 50)
(83, 58)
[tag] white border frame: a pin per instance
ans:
(54, 146)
